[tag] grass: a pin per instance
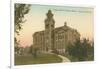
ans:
(41, 59)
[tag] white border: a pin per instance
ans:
(44, 66)
(12, 35)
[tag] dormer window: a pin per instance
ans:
(65, 23)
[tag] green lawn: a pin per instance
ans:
(41, 59)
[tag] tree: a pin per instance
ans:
(81, 50)
(35, 52)
(16, 46)
(20, 11)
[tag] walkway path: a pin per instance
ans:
(65, 59)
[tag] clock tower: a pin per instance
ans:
(49, 31)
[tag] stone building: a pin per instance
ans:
(54, 38)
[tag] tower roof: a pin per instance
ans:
(49, 14)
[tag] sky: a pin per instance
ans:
(79, 18)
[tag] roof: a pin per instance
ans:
(57, 30)
(65, 29)
(38, 33)
(62, 28)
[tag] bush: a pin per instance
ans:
(81, 50)
(55, 51)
